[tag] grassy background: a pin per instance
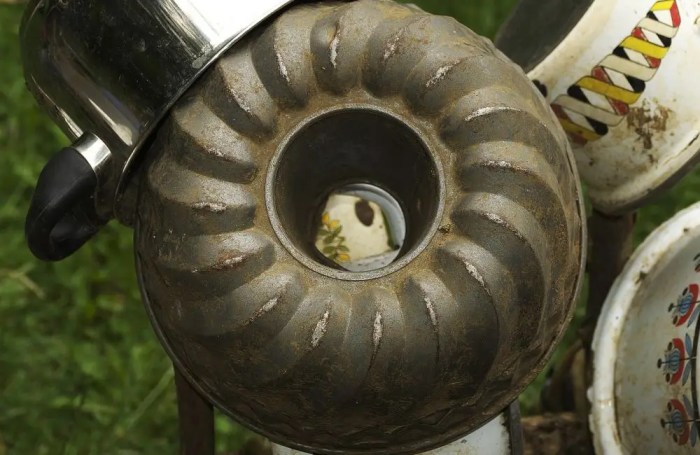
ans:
(80, 369)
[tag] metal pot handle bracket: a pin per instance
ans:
(112, 70)
(62, 216)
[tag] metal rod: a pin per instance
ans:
(196, 416)
(515, 429)
(611, 244)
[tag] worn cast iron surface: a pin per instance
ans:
(404, 358)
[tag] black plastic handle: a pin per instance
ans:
(62, 214)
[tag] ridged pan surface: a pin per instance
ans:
(398, 362)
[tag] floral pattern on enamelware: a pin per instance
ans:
(678, 365)
(675, 363)
(680, 421)
(686, 308)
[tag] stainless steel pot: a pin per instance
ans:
(107, 72)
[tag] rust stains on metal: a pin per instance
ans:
(320, 329)
(263, 310)
(646, 122)
(213, 207)
(641, 277)
(445, 228)
(226, 261)
(377, 332)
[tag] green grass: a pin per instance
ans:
(80, 369)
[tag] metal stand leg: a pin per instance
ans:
(196, 419)
(611, 243)
(612, 240)
(515, 429)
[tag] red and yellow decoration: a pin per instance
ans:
(602, 99)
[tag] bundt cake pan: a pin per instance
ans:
(401, 359)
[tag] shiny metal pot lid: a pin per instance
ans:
(107, 72)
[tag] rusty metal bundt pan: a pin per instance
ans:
(404, 358)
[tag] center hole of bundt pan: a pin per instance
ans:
(355, 194)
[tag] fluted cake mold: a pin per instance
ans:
(401, 359)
